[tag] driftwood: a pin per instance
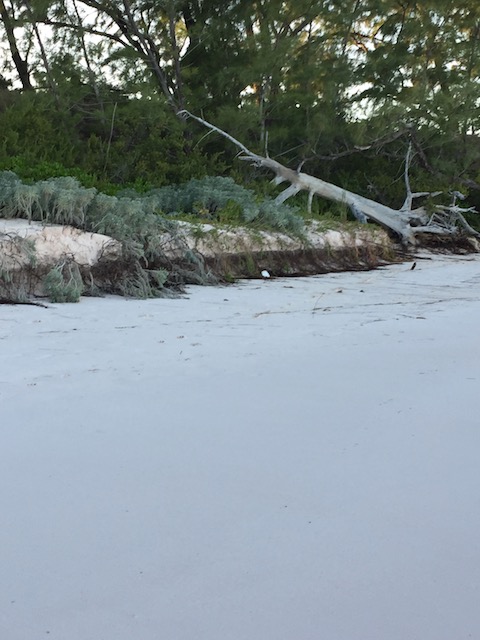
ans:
(406, 223)
(27, 302)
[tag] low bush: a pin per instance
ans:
(64, 283)
(140, 222)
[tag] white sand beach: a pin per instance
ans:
(288, 459)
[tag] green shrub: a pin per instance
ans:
(222, 200)
(140, 222)
(64, 283)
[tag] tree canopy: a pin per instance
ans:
(95, 87)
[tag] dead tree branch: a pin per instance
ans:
(406, 223)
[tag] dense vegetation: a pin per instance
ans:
(141, 223)
(92, 88)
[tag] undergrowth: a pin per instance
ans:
(143, 223)
(220, 199)
(64, 283)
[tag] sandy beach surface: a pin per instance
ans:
(291, 459)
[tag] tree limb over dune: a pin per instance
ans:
(406, 223)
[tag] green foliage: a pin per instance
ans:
(143, 283)
(35, 171)
(131, 142)
(64, 283)
(222, 200)
(300, 79)
(64, 201)
(136, 220)
(59, 200)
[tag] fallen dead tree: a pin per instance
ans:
(408, 224)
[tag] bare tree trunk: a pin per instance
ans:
(91, 75)
(150, 51)
(176, 57)
(43, 53)
(20, 64)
